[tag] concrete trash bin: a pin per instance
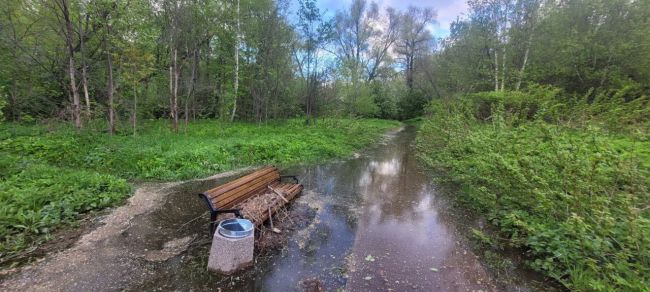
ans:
(232, 246)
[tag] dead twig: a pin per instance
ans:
(278, 193)
(188, 222)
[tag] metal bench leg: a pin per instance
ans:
(213, 221)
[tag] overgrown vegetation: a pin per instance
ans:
(566, 178)
(48, 176)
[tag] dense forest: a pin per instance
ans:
(537, 109)
(264, 60)
(233, 60)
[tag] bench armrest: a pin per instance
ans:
(295, 178)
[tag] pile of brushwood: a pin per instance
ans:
(566, 178)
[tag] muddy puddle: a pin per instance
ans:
(372, 223)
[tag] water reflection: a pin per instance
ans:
(392, 202)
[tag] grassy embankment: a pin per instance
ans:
(565, 179)
(49, 177)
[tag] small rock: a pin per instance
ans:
(276, 230)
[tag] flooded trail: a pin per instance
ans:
(372, 223)
(401, 241)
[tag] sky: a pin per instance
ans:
(448, 10)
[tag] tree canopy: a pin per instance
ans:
(273, 59)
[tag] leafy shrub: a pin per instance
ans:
(412, 104)
(572, 193)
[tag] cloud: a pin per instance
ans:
(447, 10)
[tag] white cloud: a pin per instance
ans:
(447, 10)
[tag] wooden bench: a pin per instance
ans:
(224, 198)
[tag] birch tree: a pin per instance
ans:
(64, 8)
(236, 82)
(528, 9)
(84, 21)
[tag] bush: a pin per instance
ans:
(572, 193)
(412, 104)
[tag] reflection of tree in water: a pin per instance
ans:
(394, 187)
(390, 184)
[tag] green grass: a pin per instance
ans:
(575, 197)
(49, 175)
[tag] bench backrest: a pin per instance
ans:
(227, 195)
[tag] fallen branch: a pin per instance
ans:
(278, 193)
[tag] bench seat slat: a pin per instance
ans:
(240, 181)
(245, 191)
(268, 178)
(237, 182)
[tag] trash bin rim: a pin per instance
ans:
(228, 228)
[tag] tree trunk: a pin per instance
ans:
(13, 101)
(234, 107)
(109, 87)
(531, 23)
(496, 70)
(171, 88)
(84, 78)
(175, 92)
(76, 116)
(504, 44)
(410, 63)
(190, 89)
(503, 67)
(523, 64)
(135, 108)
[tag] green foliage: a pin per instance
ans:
(47, 178)
(387, 94)
(412, 105)
(573, 192)
(578, 45)
(37, 196)
(359, 100)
